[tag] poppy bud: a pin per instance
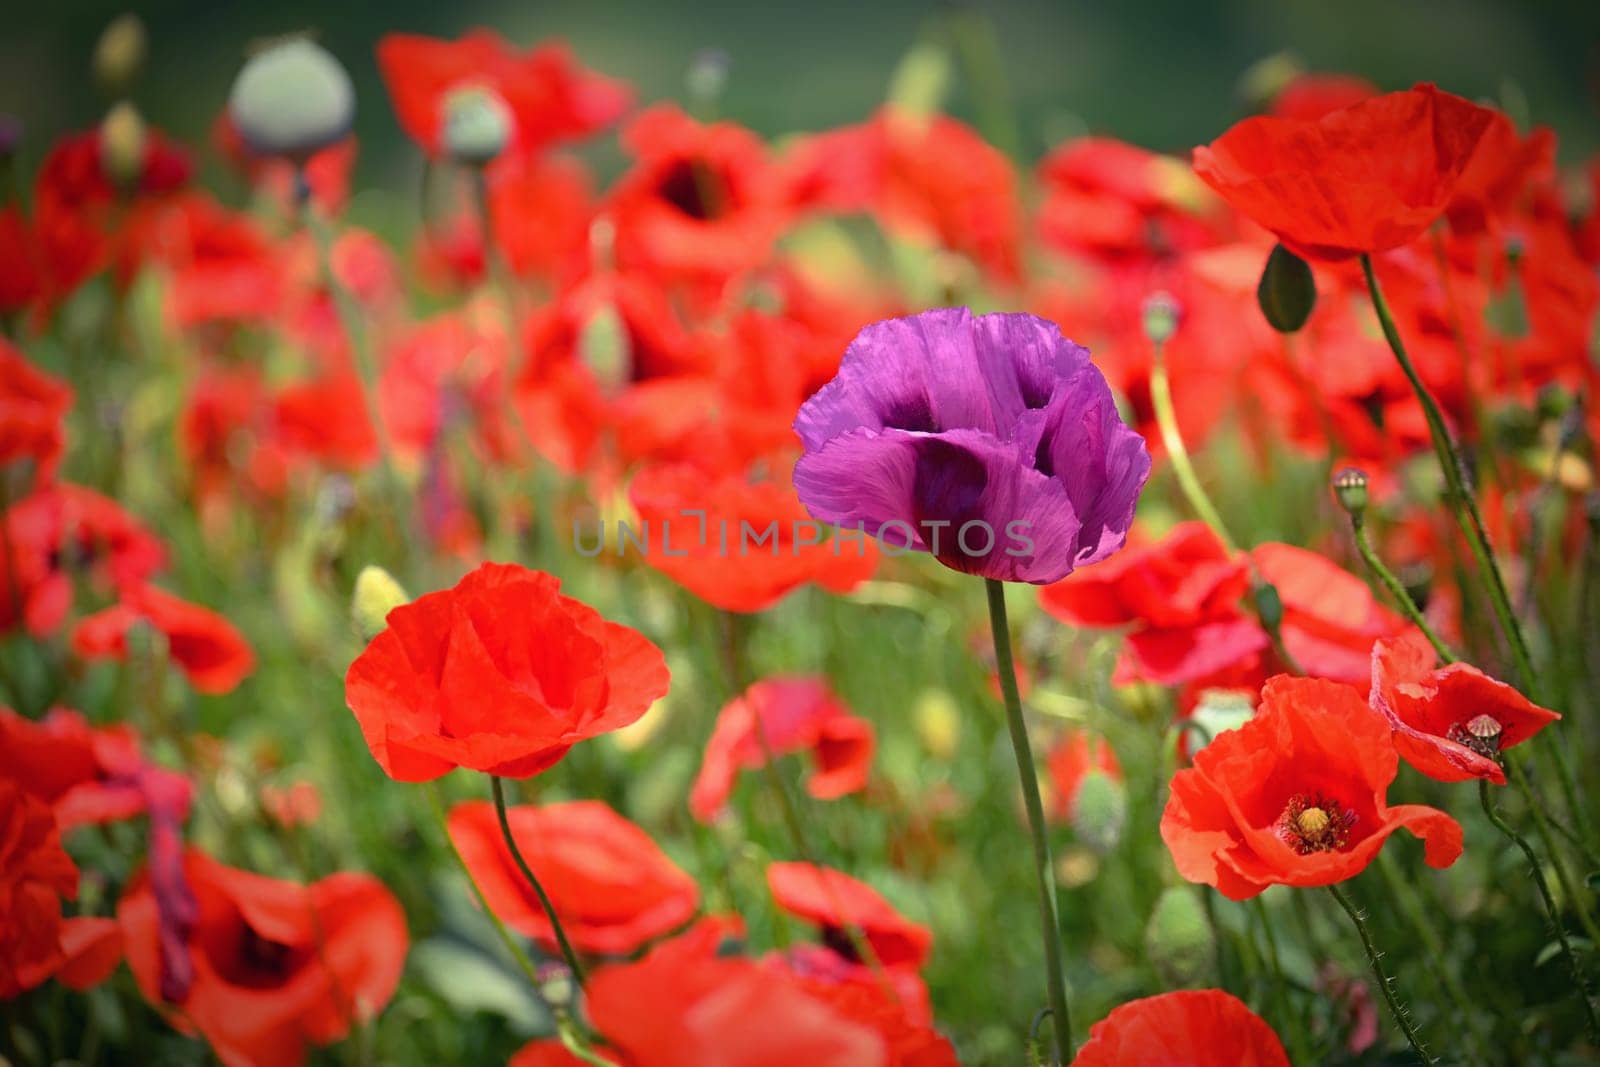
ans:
(119, 55)
(1287, 291)
(1099, 811)
(292, 99)
(1177, 940)
(1264, 79)
(707, 75)
(1350, 487)
(1161, 314)
(377, 593)
(122, 145)
(477, 126)
(1269, 605)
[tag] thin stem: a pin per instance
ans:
(1543, 824)
(1402, 597)
(1043, 869)
(511, 944)
(1461, 501)
(1549, 905)
(498, 786)
(1172, 438)
(1385, 983)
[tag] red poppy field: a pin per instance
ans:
(859, 597)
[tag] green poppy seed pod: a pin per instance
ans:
(1287, 291)
(119, 55)
(291, 100)
(1177, 940)
(123, 140)
(1350, 487)
(377, 593)
(477, 126)
(1099, 811)
(1161, 313)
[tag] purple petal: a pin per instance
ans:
(1022, 524)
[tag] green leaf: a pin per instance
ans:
(471, 982)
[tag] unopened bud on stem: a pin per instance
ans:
(119, 55)
(377, 593)
(123, 140)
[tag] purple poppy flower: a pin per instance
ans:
(990, 441)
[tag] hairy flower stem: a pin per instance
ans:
(1462, 503)
(1385, 983)
(527, 872)
(1402, 597)
(1549, 906)
(510, 943)
(1043, 869)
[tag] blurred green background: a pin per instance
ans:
(1161, 73)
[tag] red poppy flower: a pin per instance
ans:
(500, 674)
(1295, 796)
(1112, 200)
(1503, 170)
(1330, 617)
(296, 804)
(35, 874)
(795, 714)
(1073, 758)
(684, 1005)
(1181, 595)
(211, 652)
(877, 1000)
(550, 95)
(928, 178)
(701, 201)
(59, 533)
(444, 375)
(84, 223)
(88, 775)
(612, 886)
(1193, 1027)
(21, 268)
(325, 418)
(569, 390)
(223, 268)
(277, 966)
(835, 901)
(1366, 178)
(33, 407)
(1449, 723)
(755, 545)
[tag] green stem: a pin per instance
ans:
(498, 786)
(1385, 983)
(1542, 824)
(1043, 869)
(1549, 906)
(511, 944)
(1402, 597)
(1177, 454)
(1460, 499)
(1268, 606)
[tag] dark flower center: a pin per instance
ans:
(695, 189)
(1481, 733)
(1315, 824)
(839, 940)
(256, 961)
